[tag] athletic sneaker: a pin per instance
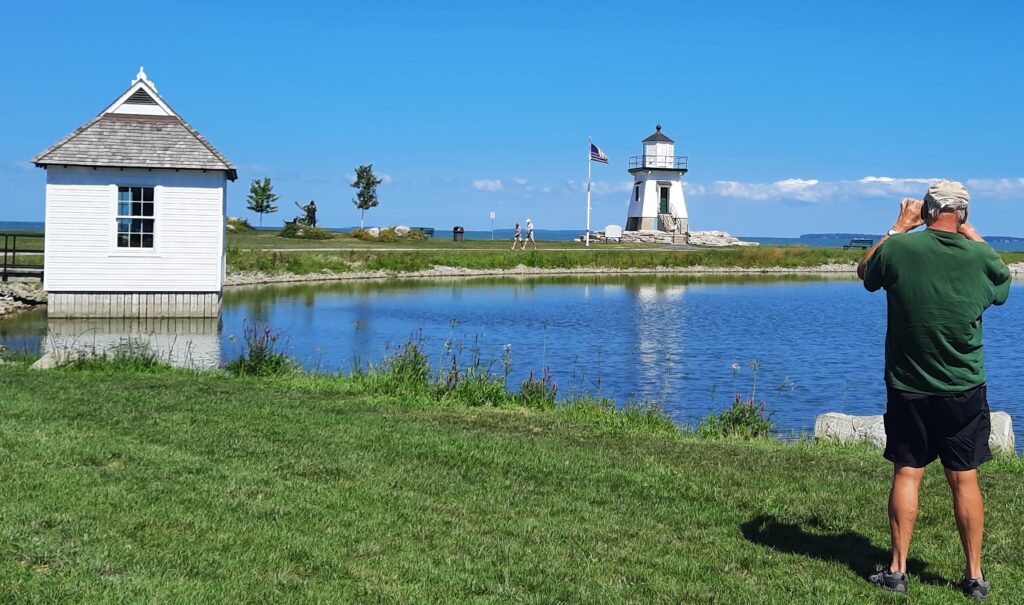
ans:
(974, 588)
(892, 581)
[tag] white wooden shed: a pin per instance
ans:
(135, 211)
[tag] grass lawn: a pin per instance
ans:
(261, 251)
(270, 240)
(400, 261)
(173, 487)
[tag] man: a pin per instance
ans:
(529, 235)
(938, 282)
(517, 237)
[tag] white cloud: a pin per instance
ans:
(995, 187)
(488, 185)
(520, 182)
(599, 187)
(813, 190)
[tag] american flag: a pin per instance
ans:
(597, 155)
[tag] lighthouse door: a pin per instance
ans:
(663, 196)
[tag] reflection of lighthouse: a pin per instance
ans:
(659, 317)
(657, 202)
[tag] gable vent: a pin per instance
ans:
(140, 97)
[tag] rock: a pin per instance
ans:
(844, 428)
(373, 231)
(1001, 441)
(53, 359)
(402, 230)
(716, 239)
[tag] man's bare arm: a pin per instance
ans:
(908, 220)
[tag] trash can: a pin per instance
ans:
(458, 233)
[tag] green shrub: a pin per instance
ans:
(745, 419)
(297, 231)
(538, 392)
(362, 234)
(261, 356)
(239, 224)
(387, 236)
(416, 236)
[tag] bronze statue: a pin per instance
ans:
(310, 211)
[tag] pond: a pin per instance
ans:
(803, 345)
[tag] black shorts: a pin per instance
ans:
(954, 428)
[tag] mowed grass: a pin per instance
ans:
(270, 240)
(171, 487)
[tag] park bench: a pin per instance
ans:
(428, 231)
(860, 242)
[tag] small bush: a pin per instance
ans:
(297, 231)
(538, 392)
(387, 236)
(745, 419)
(261, 356)
(362, 234)
(409, 367)
(416, 236)
(239, 224)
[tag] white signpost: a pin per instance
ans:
(492, 224)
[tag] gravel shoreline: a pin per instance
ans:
(249, 278)
(252, 278)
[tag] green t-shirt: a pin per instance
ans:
(937, 286)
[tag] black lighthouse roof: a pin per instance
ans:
(658, 137)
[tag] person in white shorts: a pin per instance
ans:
(529, 235)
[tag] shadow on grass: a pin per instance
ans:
(849, 548)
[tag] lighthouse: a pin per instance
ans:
(656, 202)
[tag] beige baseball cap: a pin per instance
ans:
(948, 195)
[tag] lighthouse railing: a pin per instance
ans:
(673, 162)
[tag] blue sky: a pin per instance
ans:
(797, 117)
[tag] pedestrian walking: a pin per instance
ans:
(529, 235)
(517, 237)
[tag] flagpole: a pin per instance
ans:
(587, 237)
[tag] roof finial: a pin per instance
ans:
(658, 127)
(141, 77)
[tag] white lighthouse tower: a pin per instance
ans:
(657, 202)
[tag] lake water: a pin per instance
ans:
(685, 342)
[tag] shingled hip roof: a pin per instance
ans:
(137, 141)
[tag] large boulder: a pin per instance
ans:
(716, 239)
(57, 358)
(402, 230)
(373, 231)
(844, 428)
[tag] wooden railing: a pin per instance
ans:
(25, 244)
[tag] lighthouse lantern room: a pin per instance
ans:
(657, 202)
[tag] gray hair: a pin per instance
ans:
(933, 208)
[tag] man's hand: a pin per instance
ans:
(967, 230)
(908, 220)
(910, 215)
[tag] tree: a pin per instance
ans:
(366, 190)
(262, 197)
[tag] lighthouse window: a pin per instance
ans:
(135, 217)
(636, 193)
